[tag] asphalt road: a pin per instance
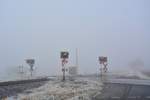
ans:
(124, 91)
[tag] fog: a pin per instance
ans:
(40, 29)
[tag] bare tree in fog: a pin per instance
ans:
(137, 67)
(137, 64)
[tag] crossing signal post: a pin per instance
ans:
(103, 65)
(31, 63)
(64, 55)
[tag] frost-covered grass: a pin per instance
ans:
(82, 88)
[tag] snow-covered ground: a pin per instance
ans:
(82, 88)
(79, 89)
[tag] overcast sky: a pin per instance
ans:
(40, 29)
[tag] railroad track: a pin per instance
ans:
(12, 88)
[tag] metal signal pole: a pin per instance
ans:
(103, 66)
(64, 56)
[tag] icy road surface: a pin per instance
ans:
(83, 88)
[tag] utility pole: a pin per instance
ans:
(77, 63)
